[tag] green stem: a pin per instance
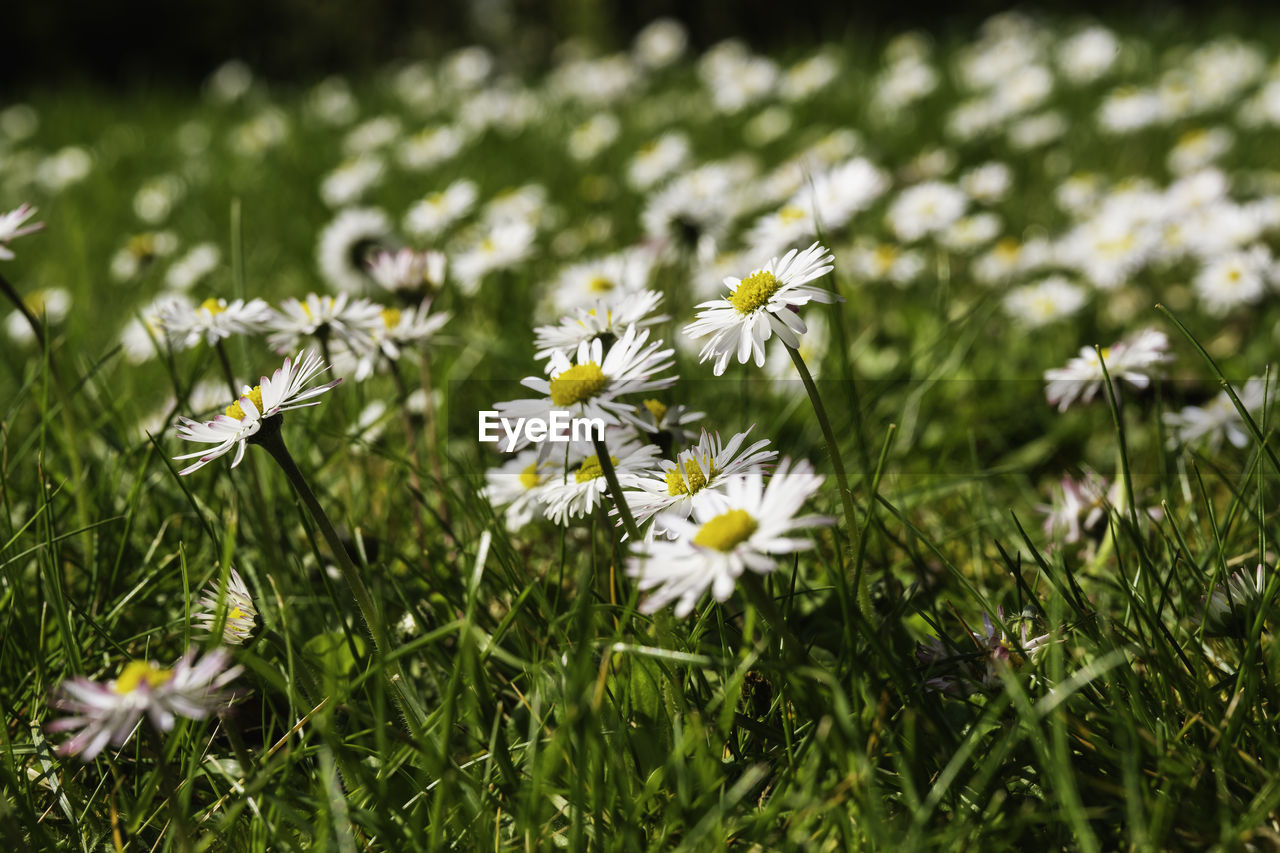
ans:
(270, 439)
(11, 292)
(842, 483)
(615, 489)
(760, 598)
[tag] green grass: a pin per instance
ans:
(556, 714)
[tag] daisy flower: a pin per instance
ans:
(761, 304)
(211, 321)
(576, 492)
(241, 616)
(284, 390)
(1217, 419)
(592, 384)
(407, 272)
(12, 226)
(110, 712)
(753, 523)
(964, 672)
(696, 477)
(329, 318)
(607, 318)
(1132, 359)
(400, 328)
(1230, 608)
(667, 425)
(519, 485)
(347, 242)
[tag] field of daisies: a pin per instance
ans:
(669, 450)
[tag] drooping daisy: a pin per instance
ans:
(348, 242)
(340, 318)
(518, 485)
(697, 476)
(607, 318)
(1210, 423)
(284, 390)
(211, 321)
(407, 273)
(1132, 359)
(754, 523)
(109, 713)
(594, 383)
(234, 599)
(12, 227)
(761, 304)
(576, 492)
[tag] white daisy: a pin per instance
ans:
(575, 493)
(401, 329)
(1132, 360)
(349, 182)
(593, 384)
(407, 272)
(507, 244)
(696, 477)
(351, 322)
(12, 226)
(284, 390)
(1045, 301)
(761, 304)
(435, 214)
(925, 209)
(517, 485)
(211, 321)
(668, 425)
(346, 244)
(1218, 418)
(607, 318)
(239, 616)
(1234, 279)
(110, 712)
(612, 277)
(738, 535)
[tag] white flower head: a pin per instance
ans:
(13, 225)
(1217, 419)
(576, 492)
(284, 390)
(235, 602)
(408, 272)
(1132, 360)
(341, 319)
(761, 304)
(346, 244)
(109, 713)
(518, 485)
(721, 542)
(211, 321)
(608, 317)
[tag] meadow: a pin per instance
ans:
(930, 509)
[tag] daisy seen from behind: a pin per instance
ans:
(761, 304)
(284, 390)
(714, 548)
(241, 614)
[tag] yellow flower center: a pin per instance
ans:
(578, 383)
(234, 410)
(213, 306)
(590, 468)
(136, 673)
(599, 284)
(391, 317)
(236, 613)
(726, 531)
(755, 291)
(142, 246)
(692, 481)
(530, 477)
(790, 214)
(657, 409)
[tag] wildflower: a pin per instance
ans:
(504, 246)
(140, 252)
(400, 329)
(50, 303)
(409, 273)
(667, 425)
(608, 318)
(284, 390)
(593, 384)
(740, 534)
(761, 304)
(964, 673)
(1217, 419)
(576, 492)
(211, 320)
(110, 712)
(12, 226)
(925, 209)
(657, 160)
(1044, 302)
(1235, 279)
(697, 476)
(328, 318)
(348, 183)
(436, 213)
(1132, 359)
(241, 616)
(346, 244)
(519, 485)
(1230, 608)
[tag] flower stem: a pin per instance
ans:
(615, 489)
(272, 441)
(842, 483)
(36, 327)
(762, 601)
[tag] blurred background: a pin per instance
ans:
(161, 42)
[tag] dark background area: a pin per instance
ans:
(163, 42)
